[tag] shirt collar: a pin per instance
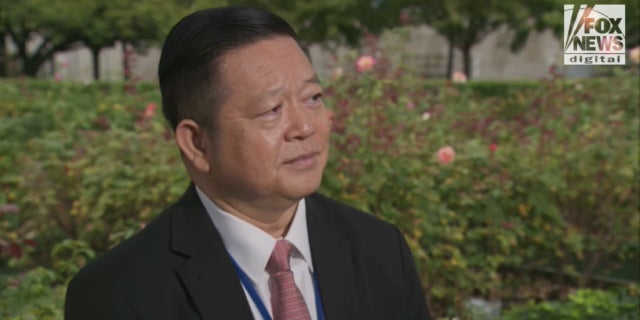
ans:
(249, 245)
(298, 235)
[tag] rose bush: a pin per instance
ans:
(533, 193)
(541, 197)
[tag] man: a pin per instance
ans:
(249, 239)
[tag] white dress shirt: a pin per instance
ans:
(251, 248)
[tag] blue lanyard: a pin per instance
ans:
(256, 298)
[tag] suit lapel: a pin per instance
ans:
(332, 263)
(207, 274)
(212, 283)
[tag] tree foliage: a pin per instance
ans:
(58, 26)
(465, 23)
(554, 19)
(340, 21)
(37, 29)
(103, 23)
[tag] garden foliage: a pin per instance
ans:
(545, 179)
(540, 195)
(584, 304)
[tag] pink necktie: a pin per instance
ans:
(287, 302)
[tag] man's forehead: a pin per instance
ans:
(270, 59)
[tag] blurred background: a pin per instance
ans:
(116, 40)
(514, 178)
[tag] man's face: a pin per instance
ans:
(271, 136)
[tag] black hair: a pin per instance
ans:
(188, 72)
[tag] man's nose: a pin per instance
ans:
(301, 124)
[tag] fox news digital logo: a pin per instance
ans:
(594, 35)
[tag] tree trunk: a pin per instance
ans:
(466, 53)
(30, 62)
(450, 59)
(126, 66)
(4, 56)
(52, 66)
(31, 65)
(95, 55)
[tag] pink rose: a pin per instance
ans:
(459, 77)
(493, 147)
(410, 105)
(446, 155)
(150, 110)
(365, 63)
(8, 208)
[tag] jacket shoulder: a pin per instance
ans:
(349, 221)
(149, 244)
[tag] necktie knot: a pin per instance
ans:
(279, 260)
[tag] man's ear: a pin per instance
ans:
(191, 139)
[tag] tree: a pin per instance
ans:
(4, 57)
(90, 27)
(102, 23)
(134, 24)
(59, 25)
(340, 21)
(36, 29)
(138, 24)
(554, 19)
(465, 23)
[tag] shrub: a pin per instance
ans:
(85, 163)
(584, 304)
(544, 177)
(32, 296)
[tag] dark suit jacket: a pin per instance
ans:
(178, 268)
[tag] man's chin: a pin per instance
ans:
(303, 189)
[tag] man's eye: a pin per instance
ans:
(316, 98)
(274, 110)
